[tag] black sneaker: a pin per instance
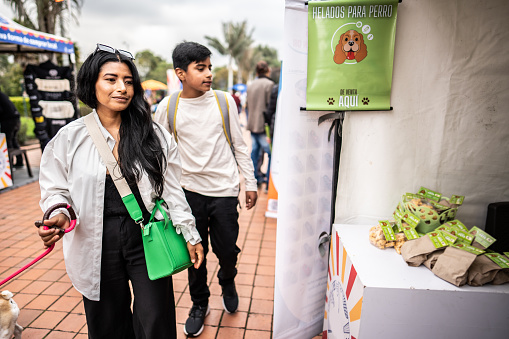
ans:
(194, 324)
(230, 298)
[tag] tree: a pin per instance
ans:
(237, 39)
(11, 76)
(251, 57)
(48, 14)
(151, 66)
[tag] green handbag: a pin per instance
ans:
(165, 251)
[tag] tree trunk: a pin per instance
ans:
(230, 74)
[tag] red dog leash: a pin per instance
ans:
(72, 224)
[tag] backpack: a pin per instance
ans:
(222, 103)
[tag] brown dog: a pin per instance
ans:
(9, 312)
(350, 46)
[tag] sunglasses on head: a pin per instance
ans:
(109, 49)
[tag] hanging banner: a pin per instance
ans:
(350, 54)
(30, 40)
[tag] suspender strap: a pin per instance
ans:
(114, 168)
(171, 112)
(224, 110)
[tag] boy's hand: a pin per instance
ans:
(196, 254)
(51, 235)
(251, 197)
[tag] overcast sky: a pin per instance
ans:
(158, 25)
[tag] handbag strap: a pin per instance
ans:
(111, 163)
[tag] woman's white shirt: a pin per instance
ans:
(73, 172)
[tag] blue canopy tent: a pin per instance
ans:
(15, 38)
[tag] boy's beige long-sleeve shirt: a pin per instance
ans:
(208, 165)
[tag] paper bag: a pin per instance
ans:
(453, 265)
(432, 259)
(501, 277)
(416, 251)
(482, 271)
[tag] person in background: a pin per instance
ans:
(270, 116)
(258, 98)
(104, 254)
(236, 97)
(10, 124)
(210, 175)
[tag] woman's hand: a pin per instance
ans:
(196, 253)
(51, 235)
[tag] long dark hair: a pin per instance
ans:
(139, 148)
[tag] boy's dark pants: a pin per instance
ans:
(217, 216)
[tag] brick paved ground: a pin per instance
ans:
(52, 308)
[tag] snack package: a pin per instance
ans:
(430, 208)
(453, 265)
(400, 240)
(416, 251)
(377, 238)
(430, 213)
(481, 239)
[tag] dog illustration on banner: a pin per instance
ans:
(351, 46)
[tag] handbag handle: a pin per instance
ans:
(163, 212)
(113, 167)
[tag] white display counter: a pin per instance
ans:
(373, 293)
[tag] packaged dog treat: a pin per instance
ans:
(482, 238)
(456, 224)
(382, 235)
(462, 236)
(429, 213)
(452, 266)
(416, 251)
(400, 240)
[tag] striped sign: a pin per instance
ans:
(5, 166)
(344, 295)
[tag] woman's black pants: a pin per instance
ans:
(123, 261)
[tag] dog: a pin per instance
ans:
(9, 312)
(350, 46)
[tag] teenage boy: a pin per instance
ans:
(210, 173)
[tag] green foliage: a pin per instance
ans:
(220, 78)
(84, 109)
(26, 130)
(23, 108)
(159, 72)
(44, 15)
(11, 76)
(237, 39)
(269, 54)
(151, 66)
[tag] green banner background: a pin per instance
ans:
(350, 84)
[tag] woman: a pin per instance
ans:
(105, 251)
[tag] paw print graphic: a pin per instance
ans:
(365, 101)
(331, 101)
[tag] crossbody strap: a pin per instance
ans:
(114, 168)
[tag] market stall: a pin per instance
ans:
(49, 86)
(447, 131)
(373, 293)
